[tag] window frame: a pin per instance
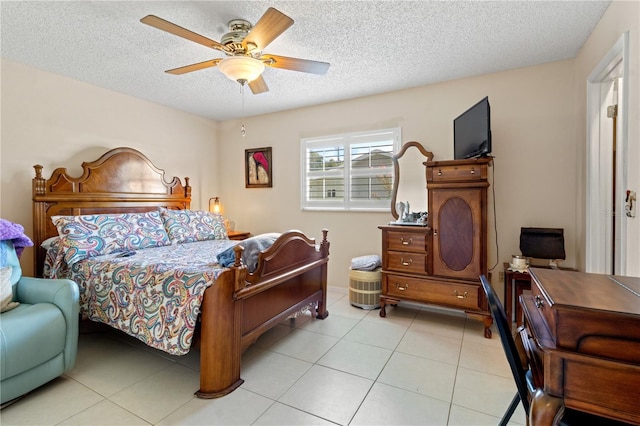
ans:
(346, 141)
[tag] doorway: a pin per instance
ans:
(607, 117)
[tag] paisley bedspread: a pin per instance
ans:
(153, 294)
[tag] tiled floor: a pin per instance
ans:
(417, 366)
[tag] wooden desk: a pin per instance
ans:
(584, 344)
(516, 282)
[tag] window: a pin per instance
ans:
(352, 171)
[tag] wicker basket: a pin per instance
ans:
(365, 288)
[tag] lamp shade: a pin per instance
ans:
(241, 68)
(215, 206)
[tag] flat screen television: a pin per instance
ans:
(472, 131)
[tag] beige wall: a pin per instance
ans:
(533, 142)
(621, 16)
(538, 133)
(59, 122)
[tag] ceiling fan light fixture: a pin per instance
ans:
(241, 68)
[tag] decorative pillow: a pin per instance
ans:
(93, 235)
(186, 226)
(54, 263)
(6, 290)
(52, 243)
(366, 263)
(252, 248)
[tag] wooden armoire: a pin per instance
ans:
(440, 264)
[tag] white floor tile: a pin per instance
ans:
(461, 416)
(240, 407)
(337, 327)
(270, 374)
(159, 394)
(485, 358)
(304, 345)
(402, 315)
(108, 366)
(355, 358)
(105, 413)
(443, 323)
(387, 405)
(344, 308)
(474, 331)
(51, 403)
(372, 333)
(336, 293)
(485, 393)
(421, 375)
(329, 394)
(283, 415)
(431, 346)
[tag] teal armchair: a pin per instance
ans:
(38, 337)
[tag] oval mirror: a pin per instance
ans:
(410, 180)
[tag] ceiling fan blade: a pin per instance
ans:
(271, 25)
(194, 67)
(258, 86)
(172, 28)
(295, 64)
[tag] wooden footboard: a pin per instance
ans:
(239, 307)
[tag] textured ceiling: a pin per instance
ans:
(373, 46)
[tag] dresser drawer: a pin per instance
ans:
(407, 241)
(544, 307)
(458, 295)
(464, 172)
(408, 262)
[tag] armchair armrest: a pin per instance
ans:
(62, 293)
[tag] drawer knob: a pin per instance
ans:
(539, 302)
(406, 242)
(460, 296)
(439, 172)
(405, 263)
(402, 287)
(473, 171)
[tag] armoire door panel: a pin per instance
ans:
(456, 233)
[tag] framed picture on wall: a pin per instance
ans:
(258, 168)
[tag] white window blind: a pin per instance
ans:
(352, 171)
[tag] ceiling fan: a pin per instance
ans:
(243, 45)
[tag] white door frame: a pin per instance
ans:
(599, 171)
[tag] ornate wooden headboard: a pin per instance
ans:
(122, 180)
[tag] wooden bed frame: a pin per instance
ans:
(240, 306)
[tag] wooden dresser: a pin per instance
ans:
(583, 344)
(441, 264)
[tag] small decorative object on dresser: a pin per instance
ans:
(440, 264)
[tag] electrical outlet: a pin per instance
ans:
(501, 276)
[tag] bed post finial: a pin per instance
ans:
(238, 252)
(38, 181)
(187, 188)
(324, 246)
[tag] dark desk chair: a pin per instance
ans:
(525, 386)
(514, 350)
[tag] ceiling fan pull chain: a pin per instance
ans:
(243, 131)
